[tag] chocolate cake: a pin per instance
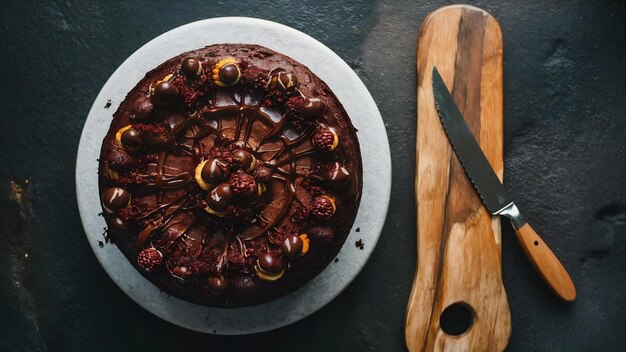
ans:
(230, 175)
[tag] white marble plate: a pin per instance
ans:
(376, 174)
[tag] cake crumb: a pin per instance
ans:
(359, 244)
(100, 244)
(358, 229)
(215, 331)
(336, 260)
(108, 104)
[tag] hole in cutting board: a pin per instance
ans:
(456, 319)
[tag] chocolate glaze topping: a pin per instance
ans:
(241, 154)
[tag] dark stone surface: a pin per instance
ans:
(565, 159)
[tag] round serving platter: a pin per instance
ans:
(376, 175)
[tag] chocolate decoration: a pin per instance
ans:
(224, 237)
(270, 264)
(154, 141)
(165, 93)
(245, 159)
(118, 225)
(191, 66)
(286, 82)
(213, 172)
(182, 272)
(120, 160)
(321, 235)
(131, 140)
(115, 198)
(217, 285)
(142, 108)
(220, 197)
(313, 107)
(230, 74)
(337, 175)
(292, 246)
(323, 207)
(325, 139)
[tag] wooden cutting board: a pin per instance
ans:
(459, 255)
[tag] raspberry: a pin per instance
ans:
(242, 183)
(149, 259)
(263, 173)
(325, 139)
(294, 105)
(323, 207)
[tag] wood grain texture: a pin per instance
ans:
(459, 256)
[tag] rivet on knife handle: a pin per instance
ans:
(492, 192)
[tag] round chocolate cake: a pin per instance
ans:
(230, 175)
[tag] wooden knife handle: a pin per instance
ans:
(546, 263)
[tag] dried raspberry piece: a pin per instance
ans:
(149, 259)
(157, 129)
(240, 213)
(243, 184)
(129, 214)
(225, 156)
(323, 207)
(135, 177)
(300, 124)
(254, 76)
(203, 264)
(300, 215)
(149, 158)
(191, 92)
(325, 139)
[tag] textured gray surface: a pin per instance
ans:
(565, 163)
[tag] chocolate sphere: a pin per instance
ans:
(118, 225)
(182, 272)
(119, 160)
(286, 82)
(220, 197)
(292, 246)
(245, 159)
(142, 108)
(230, 74)
(131, 140)
(115, 198)
(165, 93)
(212, 171)
(337, 175)
(270, 264)
(217, 285)
(191, 66)
(313, 107)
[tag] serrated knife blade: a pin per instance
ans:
(492, 192)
